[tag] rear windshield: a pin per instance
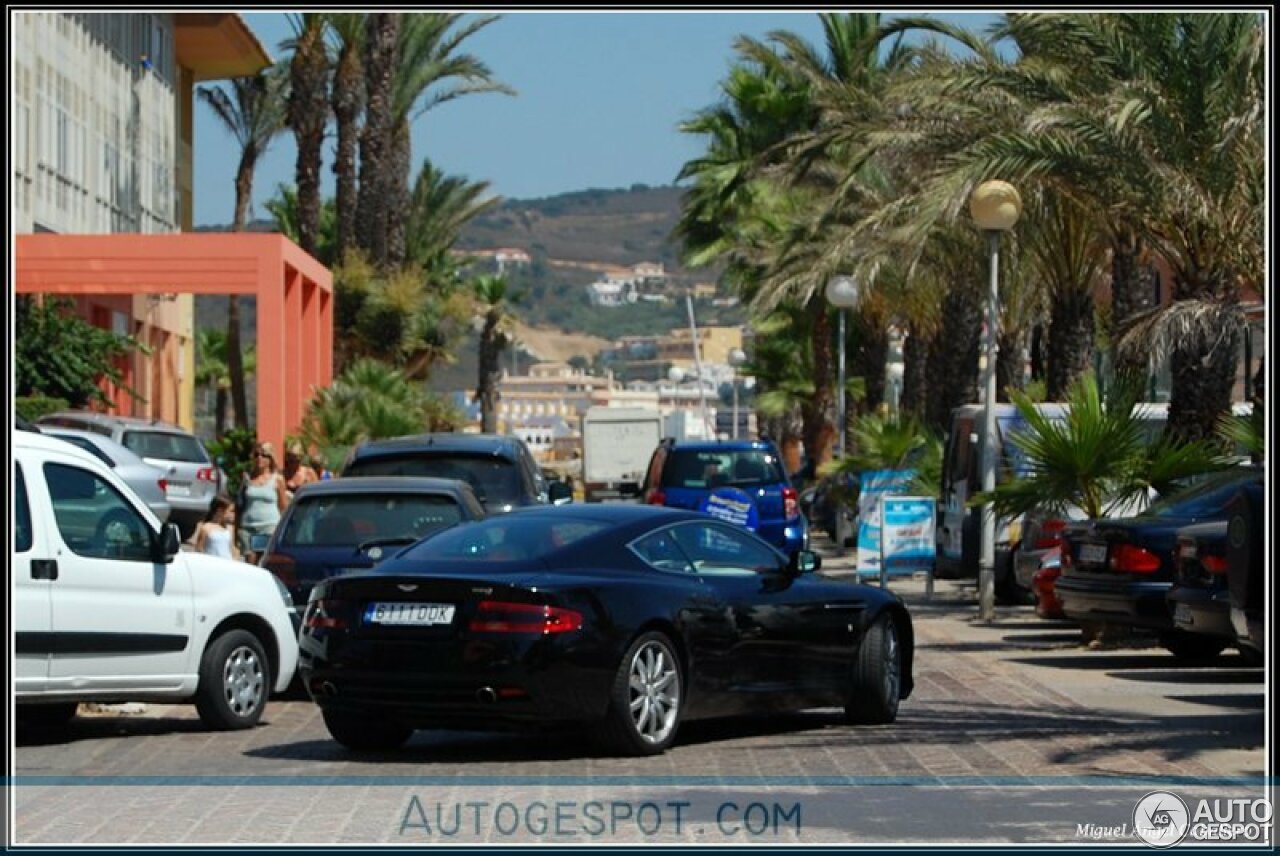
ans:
(495, 480)
(337, 521)
(165, 446)
(708, 468)
(509, 538)
(1207, 497)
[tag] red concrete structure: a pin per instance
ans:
(294, 293)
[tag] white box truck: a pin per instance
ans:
(617, 443)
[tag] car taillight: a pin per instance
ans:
(164, 484)
(1133, 560)
(1050, 534)
(323, 614)
(495, 616)
(208, 474)
(655, 497)
(1214, 564)
(284, 567)
(790, 503)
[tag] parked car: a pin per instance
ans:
(146, 481)
(107, 608)
(350, 524)
(740, 481)
(1120, 570)
(500, 469)
(1198, 600)
(623, 618)
(1041, 538)
(192, 480)
(1044, 584)
(1246, 567)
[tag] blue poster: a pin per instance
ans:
(732, 506)
(876, 484)
(907, 533)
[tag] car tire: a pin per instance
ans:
(876, 684)
(646, 699)
(47, 715)
(1190, 646)
(365, 732)
(235, 680)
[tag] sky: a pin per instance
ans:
(600, 98)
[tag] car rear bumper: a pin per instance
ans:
(1141, 604)
(1199, 610)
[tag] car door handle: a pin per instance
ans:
(44, 569)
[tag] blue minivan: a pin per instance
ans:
(740, 481)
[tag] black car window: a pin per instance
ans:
(333, 520)
(22, 514)
(660, 550)
(720, 551)
(495, 480)
(1208, 497)
(508, 538)
(93, 518)
(710, 468)
(165, 445)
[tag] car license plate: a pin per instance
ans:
(409, 614)
(1182, 614)
(175, 489)
(1093, 554)
(1187, 551)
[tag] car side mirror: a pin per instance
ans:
(258, 541)
(559, 493)
(167, 544)
(804, 562)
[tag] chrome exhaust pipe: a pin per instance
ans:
(486, 695)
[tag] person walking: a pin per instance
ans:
(213, 535)
(296, 471)
(264, 498)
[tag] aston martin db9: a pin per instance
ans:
(625, 619)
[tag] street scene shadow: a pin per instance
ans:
(103, 728)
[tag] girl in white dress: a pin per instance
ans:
(213, 535)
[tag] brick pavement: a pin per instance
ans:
(1004, 717)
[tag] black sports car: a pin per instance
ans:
(628, 619)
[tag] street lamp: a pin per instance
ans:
(842, 293)
(736, 358)
(994, 206)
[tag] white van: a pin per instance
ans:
(108, 609)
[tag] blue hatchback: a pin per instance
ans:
(742, 482)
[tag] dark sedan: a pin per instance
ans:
(1120, 570)
(343, 525)
(626, 619)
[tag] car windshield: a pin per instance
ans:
(165, 446)
(352, 519)
(709, 468)
(495, 480)
(509, 538)
(1208, 497)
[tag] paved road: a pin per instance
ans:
(1014, 733)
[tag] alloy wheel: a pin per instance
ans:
(244, 681)
(654, 681)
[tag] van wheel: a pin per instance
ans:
(235, 679)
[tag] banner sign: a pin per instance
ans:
(874, 485)
(907, 533)
(732, 506)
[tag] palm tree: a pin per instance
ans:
(494, 298)
(428, 58)
(438, 209)
(381, 59)
(286, 211)
(347, 100)
(308, 114)
(253, 111)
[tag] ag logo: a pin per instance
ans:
(1236, 531)
(1161, 819)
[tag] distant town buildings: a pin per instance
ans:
(645, 281)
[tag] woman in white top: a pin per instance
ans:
(213, 535)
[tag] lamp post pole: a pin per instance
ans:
(736, 359)
(995, 206)
(842, 293)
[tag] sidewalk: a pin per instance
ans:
(1204, 718)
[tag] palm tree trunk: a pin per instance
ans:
(346, 111)
(915, 373)
(491, 342)
(1133, 286)
(819, 435)
(953, 356)
(1009, 362)
(1071, 332)
(220, 411)
(1203, 372)
(235, 363)
(381, 48)
(398, 195)
(873, 351)
(308, 112)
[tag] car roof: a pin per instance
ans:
(722, 445)
(45, 443)
(383, 484)
(609, 512)
(95, 418)
(440, 442)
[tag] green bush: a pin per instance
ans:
(32, 407)
(234, 453)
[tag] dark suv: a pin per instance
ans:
(500, 469)
(741, 481)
